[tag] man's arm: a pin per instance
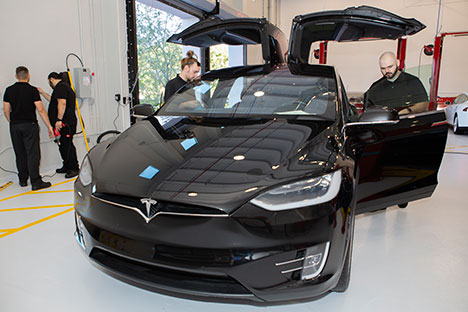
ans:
(6, 110)
(42, 112)
(44, 94)
(418, 96)
(415, 108)
(62, 104)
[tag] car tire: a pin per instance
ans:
(345, 276)
(456, 128)
(403, 205)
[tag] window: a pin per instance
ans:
(219, 56)
(158, 61)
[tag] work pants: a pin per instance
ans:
(25, 140)
(67, 149)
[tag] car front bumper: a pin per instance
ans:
(259, 256)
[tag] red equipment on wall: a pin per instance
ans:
(437, 58)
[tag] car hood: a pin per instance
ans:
(214, 163)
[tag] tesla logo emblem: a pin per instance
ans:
(148, 202)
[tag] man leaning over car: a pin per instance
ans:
(396, 89)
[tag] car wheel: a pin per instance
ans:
(403, 205)
(345, 276)
(456, 128)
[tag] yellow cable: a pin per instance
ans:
(78, 110)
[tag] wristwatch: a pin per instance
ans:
(58, 119)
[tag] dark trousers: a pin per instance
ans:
(67, 149)
(25, 139)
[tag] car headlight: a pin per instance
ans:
(304, 193)
(86, 172)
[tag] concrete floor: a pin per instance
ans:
(411, 259)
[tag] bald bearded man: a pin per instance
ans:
(396, 89)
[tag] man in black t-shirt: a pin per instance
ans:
(20, 103)
(190, 67)
(62, 114)
(397, 90)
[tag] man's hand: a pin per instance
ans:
(58, 125)
(51, 132)
(405, 111)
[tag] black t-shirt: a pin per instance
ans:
(21, 97)
(172, 86)
(63, 91)
(406, 90)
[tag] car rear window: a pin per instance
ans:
(275, 94)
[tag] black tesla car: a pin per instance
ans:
(245, 184)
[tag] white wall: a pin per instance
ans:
(39, 35)
(358, 62)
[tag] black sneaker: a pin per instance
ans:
(61, 170)
(23, 183)
(41, 185)
(71, 174)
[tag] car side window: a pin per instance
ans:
(351, 113)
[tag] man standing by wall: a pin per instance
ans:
(62, 114)
(20, 103)
(396, 89)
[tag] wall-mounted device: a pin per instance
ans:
(82, 81)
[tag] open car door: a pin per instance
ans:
(351, 24)
(239, 31)
(397, 162)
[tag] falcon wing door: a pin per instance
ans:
(351, 24)
(397, 161)
(239, 31)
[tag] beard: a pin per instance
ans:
(390, 75)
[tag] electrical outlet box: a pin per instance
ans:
(82, 81)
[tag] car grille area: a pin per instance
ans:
(160, 206)
(167, 279)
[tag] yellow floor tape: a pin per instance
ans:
(4, 186)
(6, 232)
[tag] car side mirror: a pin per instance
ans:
(142, 110)
(378, 114)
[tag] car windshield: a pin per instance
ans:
(275, 94)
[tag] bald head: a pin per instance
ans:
(388, 64)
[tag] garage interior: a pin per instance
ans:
(410, 259)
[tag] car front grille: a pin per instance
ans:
(160, 207)
(169, 279)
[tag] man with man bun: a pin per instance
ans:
(190, 68)
(62, 114)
